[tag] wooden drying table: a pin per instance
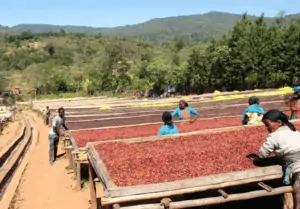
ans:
(114, 196)
(78, 155)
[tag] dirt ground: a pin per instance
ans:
(10, 132)
(48, 187)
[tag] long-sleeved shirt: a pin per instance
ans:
(253, 108)
(285, 143)
(177, 112)
(167, 130)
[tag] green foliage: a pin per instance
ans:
(196, 28)
(254, 54)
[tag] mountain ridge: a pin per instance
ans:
(197, 26)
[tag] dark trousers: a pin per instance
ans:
(296, 188)
(53, 140)
(47, 119)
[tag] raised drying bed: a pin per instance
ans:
(159, 167)
(198, 104)
(152, 118)
(81, 138)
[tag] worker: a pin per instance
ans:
(169, 127)
(294, 104)
(184, 112)
(54, 133)
(253, 113)
(284, 141)
(48, 113)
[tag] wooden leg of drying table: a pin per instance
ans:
(92, 187)
(74, 167)
(288, 201)
(78, 177)
(69, 156)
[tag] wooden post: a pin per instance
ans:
(78, 177)
(288, 201)
(74, 165)
(69, 156)
(93, 191)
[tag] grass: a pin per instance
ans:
(76, 94)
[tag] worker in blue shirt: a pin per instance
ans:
(169, 127)
(184, 112)
(253, 112)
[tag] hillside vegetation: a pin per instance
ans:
(254, 54)
(192, 28)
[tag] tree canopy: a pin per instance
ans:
(254, 54)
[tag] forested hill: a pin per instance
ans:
(193, 27)
(253, 55)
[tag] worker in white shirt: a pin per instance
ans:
(54, 133)
(284, 141)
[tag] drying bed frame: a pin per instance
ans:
(213, 111)
(78, 155)
(114, 196)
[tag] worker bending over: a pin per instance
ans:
(169, 127)
(54, 133)
(284, 141)
(253, 113)
(184, 112)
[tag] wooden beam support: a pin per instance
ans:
(216, 200)
(74, 165)
(288, 201)
(265, 187)
(93, 191)
(223, 193)
(78, 177)
(116, 206)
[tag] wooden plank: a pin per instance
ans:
(265, 187)
(74, 165)
(100, 168)
(69, 157)
(73, 142)
(116, 206)
(216, 200)
(223, 193)
(288, 200)
(78, 177)
(93, 191)
(180, 191)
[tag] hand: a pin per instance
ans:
(253, 156)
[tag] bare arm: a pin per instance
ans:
(65, 127)
(64, 124)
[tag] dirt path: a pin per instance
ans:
(10, 132)
(48, 187)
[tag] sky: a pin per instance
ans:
(111, 13)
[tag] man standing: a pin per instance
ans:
(48, 113)
(57, 122)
